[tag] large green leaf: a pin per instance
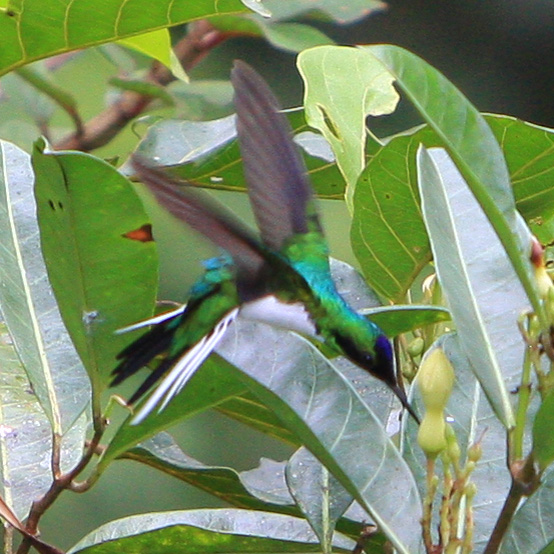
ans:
(529, 153)
(35, 29)
(163, 453)
(26, 438)
(214, 383)
(205, 531)
(26, 300)
(207, 154)
(104, 277)
(483, 292)
(322, 408)
(388, 235)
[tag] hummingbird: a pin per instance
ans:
(280, 275)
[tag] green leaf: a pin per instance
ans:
(529, 153)
(163, 453)
(175, 142)
(532, 528)
(322, 408)
(248, 409)
(294, 37)
(27, 303)
(338, 102)
(472, 418)
(215, 382)
(340, 12)
(157, 45)
(470, 143)
(322, 499)
(213, 148)
(25, 440)
(395, 320)
(388, 235)
(26, 37)
(483, 292)
(543, 439)
(104, 277)
(205, 531)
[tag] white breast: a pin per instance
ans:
(272, 311)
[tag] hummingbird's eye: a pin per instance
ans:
(350, 350)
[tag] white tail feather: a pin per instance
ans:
(184, 369)
(152, 320)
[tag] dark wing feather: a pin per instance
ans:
(278, 187)
(207, 216)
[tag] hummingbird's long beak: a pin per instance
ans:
(401, 395)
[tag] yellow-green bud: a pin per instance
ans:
(435, 379)
(415, 348)
(430, 435)
(470, 490)
(474, 452)
(454, 451)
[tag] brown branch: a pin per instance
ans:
(201, 38)
(61, 482)
(525, 481)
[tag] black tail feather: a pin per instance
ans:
(141, 352)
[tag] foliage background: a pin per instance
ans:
(494, 52)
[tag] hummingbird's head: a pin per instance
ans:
(377, 358)
(379, 361)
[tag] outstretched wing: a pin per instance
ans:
(207, 216)
(278, 187)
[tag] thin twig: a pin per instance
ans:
(61, 482)
(200, 40)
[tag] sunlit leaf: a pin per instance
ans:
(26, 300)
(157, 45)
(322, 499)
(337, 102)
(317, 403)
(483, 292)
(103, 278)
(205, 531)
(26, 38)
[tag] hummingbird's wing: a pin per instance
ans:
(207, 216)
(278, 187)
